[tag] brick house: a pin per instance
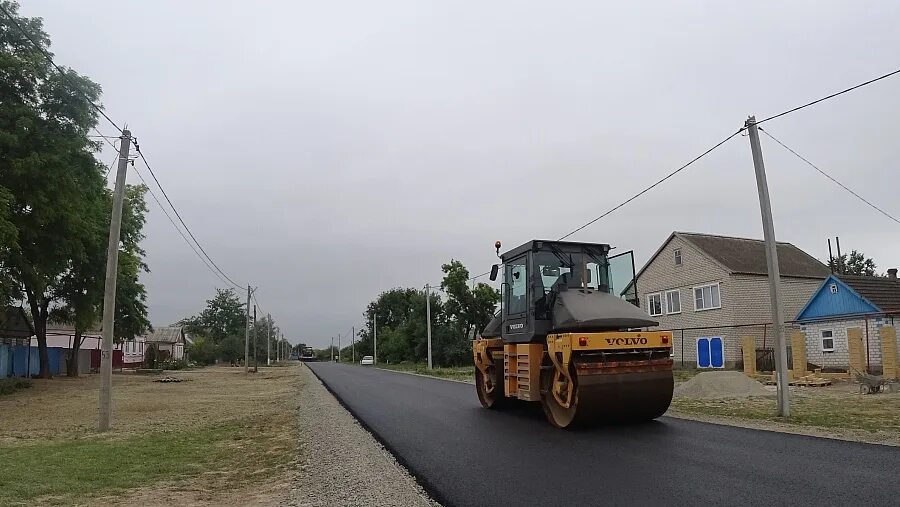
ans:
(843, 302)
(697, 281)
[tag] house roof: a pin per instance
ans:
(883, 292)
(748, 256)
(60, 328)
(167, 334)
(14, 323)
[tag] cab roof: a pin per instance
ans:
(538, 244)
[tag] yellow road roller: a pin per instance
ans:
(569, 334)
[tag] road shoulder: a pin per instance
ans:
(341, 463)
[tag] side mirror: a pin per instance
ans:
(494, 269)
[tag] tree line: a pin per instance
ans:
(55, 205)
(219, 331)
(457, 316)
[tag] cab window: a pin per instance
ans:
(516, 280)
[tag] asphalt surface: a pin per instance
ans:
(465, 455)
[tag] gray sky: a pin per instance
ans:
(326, 151)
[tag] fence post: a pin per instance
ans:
(888, 352)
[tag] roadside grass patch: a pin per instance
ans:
(9, 386)
(465, 373)
(872, 413)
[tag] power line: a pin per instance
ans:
(62, 72)
(838, 183)
(186, 240)
(178, 215)
(644, 191)
(860, 85)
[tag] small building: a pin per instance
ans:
(842, 302)
(712, 290)
(16, 358)
(169, 341)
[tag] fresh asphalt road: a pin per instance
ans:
(466, 455)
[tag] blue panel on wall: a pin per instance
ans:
(716, 352)
(835, 298)
(4, 361)
(703, 359)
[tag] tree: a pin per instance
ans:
(48, 168)
(855, 264)
(223, 323)
(468, 311)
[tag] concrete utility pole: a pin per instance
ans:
(255, 360)
(268, 339)
(353, 344)
(247, 336)
(375, 337)
(765, 206)
(332, 349)
(428, 318)
(339, 347)
(109, 295)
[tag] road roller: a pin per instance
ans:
(571, 335)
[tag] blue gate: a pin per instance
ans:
(710, 352)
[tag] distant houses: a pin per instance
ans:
(19, 349)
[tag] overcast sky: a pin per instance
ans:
(326, 151)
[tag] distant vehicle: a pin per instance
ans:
(307, 354)
(367, 361)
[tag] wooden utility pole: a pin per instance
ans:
(428, 318)
(109, 294)
(255, 360)
(268, 339)
(247, 336)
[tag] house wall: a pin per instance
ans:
(696, 269)
(840, 358)
(744, 298)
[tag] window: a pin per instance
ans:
(707, 297)
(516, 280)
(677, 255)
(834, 288)
(654, 304)
(827, 340)
(673, 301)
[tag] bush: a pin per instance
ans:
(173, 364)
(9, 386)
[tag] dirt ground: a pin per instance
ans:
(258, 412)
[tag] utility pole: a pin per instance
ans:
(428, 318)
(353, 344)
(255, 360)
(109, 295)
(765, 206)
(268, 339)
(375, 337)
(332, 349)
(247, 336)
(339, 347)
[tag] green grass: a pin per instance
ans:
(449, 372)
(9, 386)
(62, 472)
(879, 412)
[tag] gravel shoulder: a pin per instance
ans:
(340, 462)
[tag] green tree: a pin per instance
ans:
(468, 311)
(856, 263)
(48, 168)
(81, 288)
(224, 316)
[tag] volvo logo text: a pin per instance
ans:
(626, 341)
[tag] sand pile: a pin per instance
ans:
(720, 384)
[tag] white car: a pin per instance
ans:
(367, 360)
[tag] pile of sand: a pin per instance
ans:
(720, 384)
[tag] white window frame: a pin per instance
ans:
(675, 291)
(822, 340)
(694, 296)
(662, 308)
(677, 257)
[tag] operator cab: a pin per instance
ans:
(537, 279)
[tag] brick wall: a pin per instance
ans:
(696, 269)
(840, 357)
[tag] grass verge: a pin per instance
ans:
(9, 386)
(830, 410)
(464, 373)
